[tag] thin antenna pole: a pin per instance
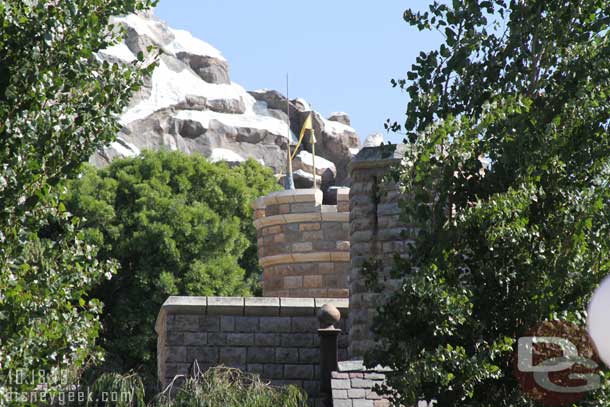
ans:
(288, 180)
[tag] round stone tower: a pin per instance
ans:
(303, 245)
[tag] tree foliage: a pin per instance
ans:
(177, 225)
(507, 175)
(58, 104)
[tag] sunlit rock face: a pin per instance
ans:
(190, 104)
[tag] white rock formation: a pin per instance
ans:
(373, 140)
(190, 104)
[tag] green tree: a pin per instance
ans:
(507, 176)
(178, 225)
(58, 104)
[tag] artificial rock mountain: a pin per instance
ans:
(190, 104)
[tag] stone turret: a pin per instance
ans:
(376, 236)
(303, 245)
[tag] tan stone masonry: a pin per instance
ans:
(303, 245)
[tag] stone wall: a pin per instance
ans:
(353, 386)
(274, 337)
(376, 233)
(303, 245)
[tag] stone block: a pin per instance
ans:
(297, 340)
(202, 354)
(313, 235)
(340, 384)
(175, 354)
(284, 209)
(303, 208)
(195, 338)
(260, 355)
(275, 324)
(324, 245)
(175, 338)
(339, 394)
(248, 324)
(183, 323)
(312, 281)
(307, 227)
(309, 355)
(240, 339)
(362, 403)
(279, 238)
(266, 339)
(298, 371)
(342, 403)
(302, 247)
(286, 355)
(297, 307)
(356, 393)
(326, 268)
(293, 282)
(227, 324)
(225, 306)
(273, 371)
(255, 368)
(272, 230)
(217, 338)
(232, 356)
(362, 383)
(305, 325)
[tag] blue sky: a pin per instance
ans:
(340, 54)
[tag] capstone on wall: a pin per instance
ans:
(303, 245)
(274, 337)
(377, 234)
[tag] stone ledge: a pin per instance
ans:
(294, 195)
(302, 217)
(246, 306)
(377, 157)
(325, 257)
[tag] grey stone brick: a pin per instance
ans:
(287, 355)
(298, 371)
(297, 340)
(176, 354)
(195, 338)
(305, 324)
(261, 355)
(374, 376)
(342, 403)
(217, 339)
(340, 384)
(309, 355)
(273, 371)
(362, 403)
(175, 338)
(235, 339)
(362, 383)
(246, 324)
(209, 323)
(233, 356)
(371, 395)
(356, 393)
(275, 324)
(311, 387)
(297, 307)
(184, 323)
(339, 394)
(339, 375)
(255, 368)
(225, 306)
(174, 369)
(266, 339)
(202, 354)
(227, 324)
